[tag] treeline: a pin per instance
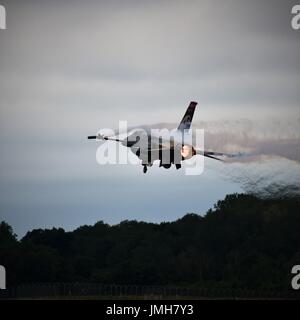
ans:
(243, 242)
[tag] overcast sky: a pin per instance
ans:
(69, 68)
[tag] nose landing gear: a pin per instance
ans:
(144, 168)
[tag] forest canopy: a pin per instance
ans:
(243, 242)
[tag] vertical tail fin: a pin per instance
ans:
(186, 121)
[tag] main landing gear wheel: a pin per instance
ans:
(144, 168)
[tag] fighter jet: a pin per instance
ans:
(169, 148)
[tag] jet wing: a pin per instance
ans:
(214, 155)
(211, 155)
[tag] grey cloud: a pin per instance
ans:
(68, 68)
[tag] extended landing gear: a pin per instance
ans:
(166, 166)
